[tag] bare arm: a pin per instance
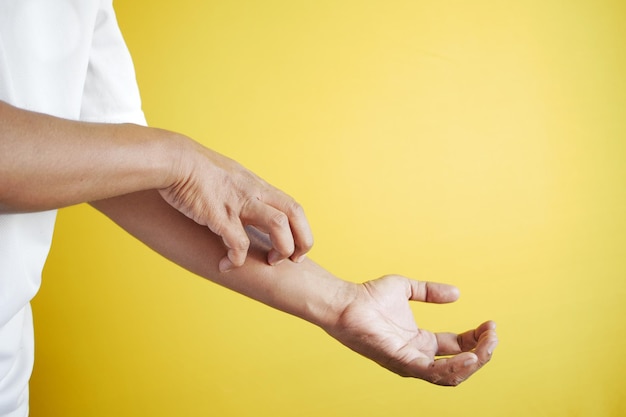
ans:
(48, 162)
(145, 216)
(373, 318)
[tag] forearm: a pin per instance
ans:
(373, 318)
(303, 289)
(48, 162)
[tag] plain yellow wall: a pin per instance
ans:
(480, 143)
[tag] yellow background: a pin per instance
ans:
(480, 143)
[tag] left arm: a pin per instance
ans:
(373, 318)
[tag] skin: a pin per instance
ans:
(372, 318)
(209, 214)
(89, 161)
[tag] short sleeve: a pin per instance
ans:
(110, 94)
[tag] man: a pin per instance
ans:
(72, 131)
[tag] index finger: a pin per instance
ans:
(300, 228)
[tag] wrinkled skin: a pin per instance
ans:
(379, 324)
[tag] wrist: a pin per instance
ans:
(169, 150)
(304, 289)
(326, 311)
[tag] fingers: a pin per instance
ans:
(471, 338)
(288, 230)
(300, 231)
(432, 292)
(453, 370)
(303, 237)
(452, 344)
(286, 226)
(447, 371)
(236, 240)
(217, 192)
(273, 222)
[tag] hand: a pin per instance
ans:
(378, 323)
(217, 192)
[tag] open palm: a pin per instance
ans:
(379, 324)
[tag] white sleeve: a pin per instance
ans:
(111, 94)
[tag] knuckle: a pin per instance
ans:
(294, 208)
(241, 243)
(450, 376)
(236, 242)
(222, 224)
(434, 378)
(246, 205)
(483, 359)
(461, 342)
(216, 227)
(455, 381)
(452, 369)
(432, 375)
(279, 220)
(305, 238)
(307, 243)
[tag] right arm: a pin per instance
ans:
(48, 162)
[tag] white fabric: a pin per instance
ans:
(66, 58)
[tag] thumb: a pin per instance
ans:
(433, 292)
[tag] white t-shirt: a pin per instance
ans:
(66, 58)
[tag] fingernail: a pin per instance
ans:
(470, 361)
(225, 265)
(274, 258)
(300, 259)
